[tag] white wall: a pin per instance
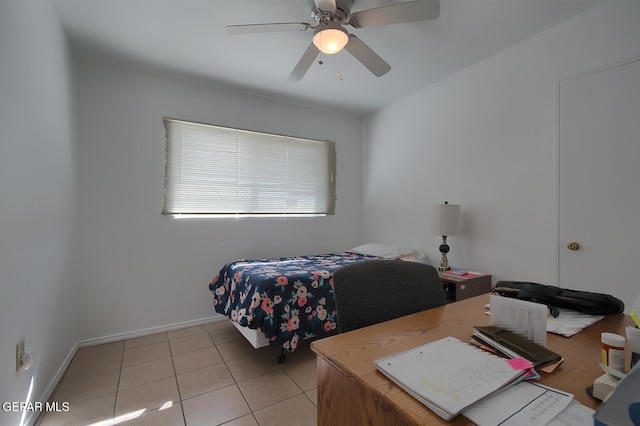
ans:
(139, 269)
(487, 138)
(37, 201)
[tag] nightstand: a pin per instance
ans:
(459, 288)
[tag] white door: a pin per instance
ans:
(599, 178)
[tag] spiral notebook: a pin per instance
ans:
(448, 375)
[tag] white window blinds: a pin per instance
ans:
(219, 170)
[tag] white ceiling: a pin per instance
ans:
(187, 38)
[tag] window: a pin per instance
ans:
(224, 171)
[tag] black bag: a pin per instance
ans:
(556, 297)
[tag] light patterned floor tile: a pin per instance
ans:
(202, 375)
(238, 349)
(248, 420)
(296, 411)
(313, 396)
(204, 380)
(169, 416)
(106, 348)
(224, 334)
(251, 366)
(150, 396)
(146, 353)
(302, 373)
(98, 364)
(94, 410)
(216, 407)
(195, 360)
(190, 343)
(151, 371)
(87, 387)
(268, 389)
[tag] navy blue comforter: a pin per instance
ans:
(289, 299)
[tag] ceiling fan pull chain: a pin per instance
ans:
(320, 61)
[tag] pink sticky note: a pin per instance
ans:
(520, 364)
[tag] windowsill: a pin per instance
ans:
(241, 216)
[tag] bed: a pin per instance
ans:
(283, 301)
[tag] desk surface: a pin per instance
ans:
(346, 361)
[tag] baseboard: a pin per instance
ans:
(48, 392)
(148, 331)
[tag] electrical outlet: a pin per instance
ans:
(19, 354)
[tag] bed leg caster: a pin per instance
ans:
(282, 357)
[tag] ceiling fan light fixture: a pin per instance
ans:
(330, 40)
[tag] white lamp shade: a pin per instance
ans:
(330, 40)
(445, 219)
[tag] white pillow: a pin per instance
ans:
(386, 251)
(419, 258)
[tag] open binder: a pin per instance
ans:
(448, 375)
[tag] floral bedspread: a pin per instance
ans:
(289, 299)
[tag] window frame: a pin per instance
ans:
(298, 186)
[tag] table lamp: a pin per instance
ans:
(446, 222)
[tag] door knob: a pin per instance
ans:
(573, 246)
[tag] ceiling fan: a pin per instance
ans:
(329, 35)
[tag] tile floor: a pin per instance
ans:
(203, 375)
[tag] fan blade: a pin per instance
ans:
(304, 63)
(326, 5)
(267, 28)
(366, 56)
(413, 11)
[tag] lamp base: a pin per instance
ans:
(444, 249)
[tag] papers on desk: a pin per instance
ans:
(461, 273)
(448, 375)
(525, 404)
(574, 414)
(569, 322)
(451, 377)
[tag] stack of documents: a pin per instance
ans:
(451, 377)
(448, 375)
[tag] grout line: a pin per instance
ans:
(175, 377)
(115, 401)
(236, 383)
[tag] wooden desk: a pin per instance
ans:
(352, 392)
